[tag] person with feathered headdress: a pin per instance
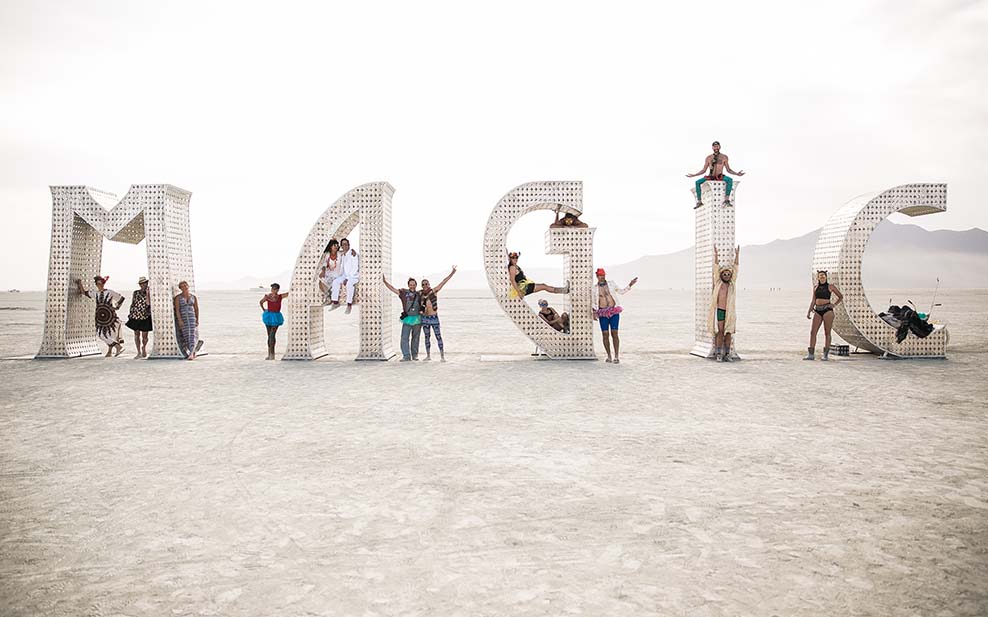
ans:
(107, 322)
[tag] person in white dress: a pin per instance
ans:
(332, 266)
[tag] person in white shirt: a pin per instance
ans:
(350, 264)
(608, 311)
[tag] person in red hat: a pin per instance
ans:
(608, 312)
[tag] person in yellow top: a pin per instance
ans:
(722, 320)
(522, 286)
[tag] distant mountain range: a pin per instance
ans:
(898, 256)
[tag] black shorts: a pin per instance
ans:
(823, 309)
(529, 289)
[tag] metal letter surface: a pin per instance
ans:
(368, 205)
(839, 251)
(576, 247)
(714, 227)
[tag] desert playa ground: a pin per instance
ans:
(665, 485)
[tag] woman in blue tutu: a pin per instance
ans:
(272, 316)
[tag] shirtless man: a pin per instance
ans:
(569, 220)
(430, 315)
(722, 321)
(716, 163)
(608, 312)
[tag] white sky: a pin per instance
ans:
(269, 111)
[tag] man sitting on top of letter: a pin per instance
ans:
(716, 163)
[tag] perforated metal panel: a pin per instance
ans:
(714, 227)
(158, 213)
(840, 249)
(370, 206)
(576, 247)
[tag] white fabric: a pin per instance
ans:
(351, 265)
(331, 273)
(351, 286)
(612, 287)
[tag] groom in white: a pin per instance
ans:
(351, 274)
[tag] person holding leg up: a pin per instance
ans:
(139, 317)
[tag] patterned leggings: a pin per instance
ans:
(430, 323)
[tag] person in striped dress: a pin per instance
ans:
(187, 321)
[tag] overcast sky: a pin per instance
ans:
(268, 112)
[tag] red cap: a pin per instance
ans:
(600, 272)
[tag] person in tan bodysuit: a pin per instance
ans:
(722, 320)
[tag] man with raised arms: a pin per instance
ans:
(716, 163)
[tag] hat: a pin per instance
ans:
(142, 280)
(600, 272)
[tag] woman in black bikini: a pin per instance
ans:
(821, 311)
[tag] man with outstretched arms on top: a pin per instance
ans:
(716, 163)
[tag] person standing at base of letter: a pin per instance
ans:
(139, 318)
(608, 312)
(271, 316)
(187, 320)
(430, 315)
(411, 318)
(722, 322)
(107, 322)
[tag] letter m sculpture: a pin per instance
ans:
(81, 218)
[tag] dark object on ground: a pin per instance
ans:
(905, 320)
(840, 350)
